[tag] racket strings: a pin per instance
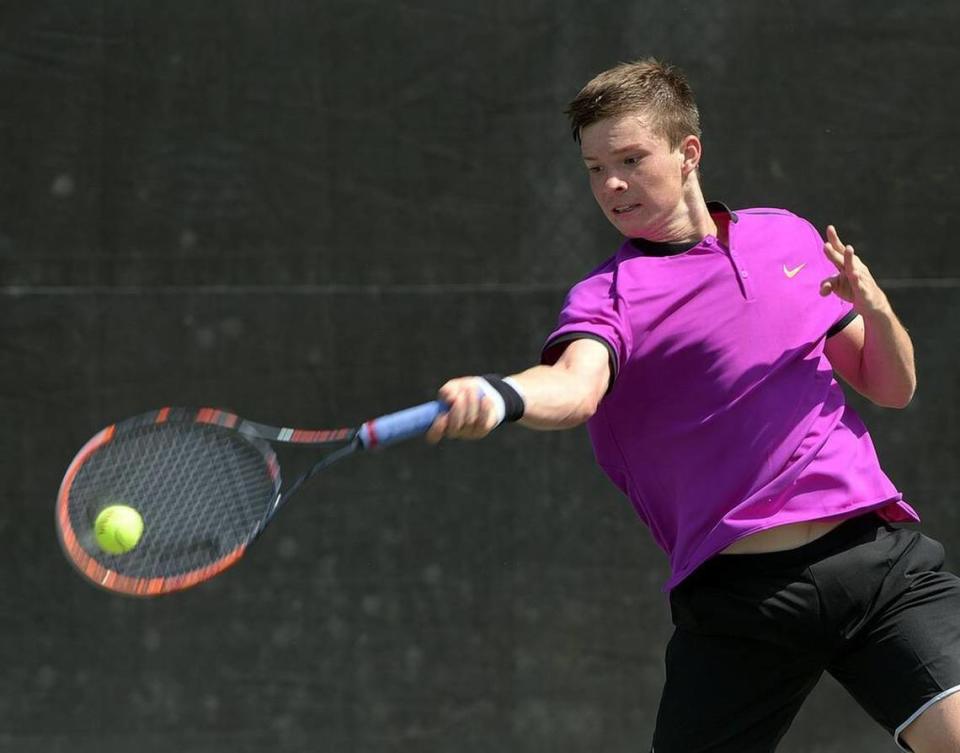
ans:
(201, 491)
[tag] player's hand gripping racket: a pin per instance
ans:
(205, 483)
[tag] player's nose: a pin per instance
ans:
(615, 184)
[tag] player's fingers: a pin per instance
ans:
(449, 391)
(832, 256)
(453, 393)
(832, 248)
(834, 237)
(436, 431)
(471, 414)
(848, 254)
(829, 285)
(455, 414)
(489, 418)
(471, 409)
(484, 421)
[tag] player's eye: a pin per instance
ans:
(593, 168)
(632, 160)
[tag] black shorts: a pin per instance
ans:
(867, 602)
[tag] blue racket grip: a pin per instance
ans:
(405, 424)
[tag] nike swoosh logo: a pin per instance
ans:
(792, 272)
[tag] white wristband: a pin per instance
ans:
(499, 407)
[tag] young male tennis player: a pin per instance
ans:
(702, 356)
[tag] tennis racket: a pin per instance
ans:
(206, 484)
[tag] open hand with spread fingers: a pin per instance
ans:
(853, 283)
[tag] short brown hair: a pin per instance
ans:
(658, 89)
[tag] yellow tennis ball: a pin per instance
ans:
(118, 529)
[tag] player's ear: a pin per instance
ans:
(690, 151)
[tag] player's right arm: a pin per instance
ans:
(560, 396)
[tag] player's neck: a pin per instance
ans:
(692, 221)
(700, 219)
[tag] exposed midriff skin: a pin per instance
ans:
(777, 539)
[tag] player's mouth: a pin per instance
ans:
(625, 209)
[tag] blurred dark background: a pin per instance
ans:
(314, 212)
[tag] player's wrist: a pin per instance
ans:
(877, 308)
(507, 399)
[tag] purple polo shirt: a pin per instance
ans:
(724, 417)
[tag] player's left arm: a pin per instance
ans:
(873, 353)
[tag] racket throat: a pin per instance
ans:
(281, 497)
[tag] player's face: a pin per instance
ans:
(636, 178)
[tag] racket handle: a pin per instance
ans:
(405, 424)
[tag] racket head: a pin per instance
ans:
(203, 482)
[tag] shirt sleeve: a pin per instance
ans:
(594, 311)
(839, 325)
